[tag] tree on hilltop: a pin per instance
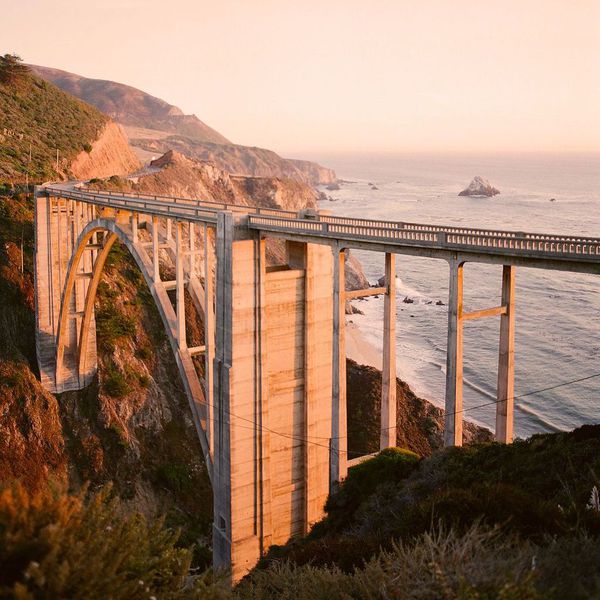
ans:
(12, 69)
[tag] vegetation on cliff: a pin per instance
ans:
(478, 523)
(30, 109)
(59, 545)
(486, 521)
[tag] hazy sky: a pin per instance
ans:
(319, 75)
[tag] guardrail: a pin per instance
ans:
(436, 237)
(143, 205)
(204, 203)
(275, 212)
(334, 227)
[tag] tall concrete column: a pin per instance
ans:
(388, 387)
(265, 492)
(222, 535)
(454, 358)
(180, 285)
(155, 250)
(506, 359)
(339, 423)
(134, 227)
(209, 332)
(192, 248)
(318, 269)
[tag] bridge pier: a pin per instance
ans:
(338, 464)
(506, 359)
(388, 434)
(454, 357)
(453, 431)
(273, 375)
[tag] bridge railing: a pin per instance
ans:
(433, 237)
(453, 229)
(142, 205)
(385, 224)
(196, 201)
(439, 236)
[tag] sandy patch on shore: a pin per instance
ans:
(359, 349)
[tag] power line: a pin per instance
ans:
(531, 393)
(308, 440)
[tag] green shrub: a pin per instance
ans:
(87, 147)
(144, 380)
(115, 383)
(175, 477)
(112, 325)
(391, 465)
(56, 545)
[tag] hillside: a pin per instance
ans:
(29, 113)
(155, 126)
(491, 521)
(37, 119)
(130, 106)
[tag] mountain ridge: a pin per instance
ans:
(155, 126)
(130, 106)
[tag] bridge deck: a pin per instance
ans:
(576, 252)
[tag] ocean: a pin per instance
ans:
(557, 314)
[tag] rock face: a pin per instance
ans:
(110, 155)
(240, 160)
(420, 423)
(182, 176)
(480, 187)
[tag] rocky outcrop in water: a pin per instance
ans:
(480, 187)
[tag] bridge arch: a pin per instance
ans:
(114, 231)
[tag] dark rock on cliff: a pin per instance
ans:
(355, 277)
(420, 423)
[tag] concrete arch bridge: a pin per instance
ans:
(269, 404)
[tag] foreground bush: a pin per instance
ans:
(55, 545)
(481, 564)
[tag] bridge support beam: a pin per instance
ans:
(454, 358)
(180, 286)
(506, 359)
(155, 251)
(339, 422)
(388, 388)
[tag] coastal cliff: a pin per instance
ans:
(155, 127)
(110, 154)
(240, 160)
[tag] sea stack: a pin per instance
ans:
(480, 187)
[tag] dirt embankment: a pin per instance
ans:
(110, 155)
